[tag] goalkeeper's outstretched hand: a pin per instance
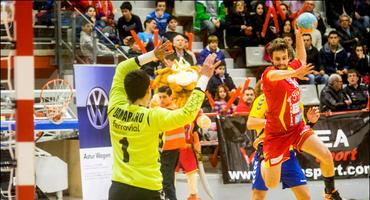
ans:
(163, 49)
(209, 65)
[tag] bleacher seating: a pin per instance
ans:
(229, 63)
(197, 46)
(309, 95)
(142, 12)
(185, 8)
(254, 57)
(237, 72)
(241, 80)
(319, 89)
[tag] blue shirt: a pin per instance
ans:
(161, 21)
(146, 37)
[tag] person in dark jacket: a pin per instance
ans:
(258, 19)
(358, 93)
(318, 75)
(135, 51)
(171, 28)
(239, 30)
(333, 56)
(179, 44)
(335, 8)
(44, 11)
(220, 77)
(128, 22)
(360, 62)
(348, 34)
(332, 97)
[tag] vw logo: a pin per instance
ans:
(97, 106)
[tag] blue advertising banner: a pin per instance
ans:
(93, 84)
(92, 89)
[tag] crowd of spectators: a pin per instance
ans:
(337, 47)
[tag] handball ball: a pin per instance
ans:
(306, 22)
(204, 121)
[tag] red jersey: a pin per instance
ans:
(242, 106)
(103, 8)
(282, 97)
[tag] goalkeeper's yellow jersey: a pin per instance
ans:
(136, 132)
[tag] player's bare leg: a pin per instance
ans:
(314, 146)
(271, 175)
(258, 194)
(301, 192)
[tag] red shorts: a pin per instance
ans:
(187, 160)
(276, 146)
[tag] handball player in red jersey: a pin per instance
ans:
(284, 125)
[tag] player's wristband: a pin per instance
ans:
(145, 58)
(202, 83)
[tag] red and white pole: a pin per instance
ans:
(24, 84)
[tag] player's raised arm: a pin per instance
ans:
(300, 73)
(300, 49)
(118, 92)
(167, 120)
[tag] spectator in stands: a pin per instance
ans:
(316, 39)
(335, 8)
(239, 30)
(110, 33)
(179, 45)
(44, 11)
(189, 50)
(160, 16)
(294, 6)
(171, 28)
(86, 43)
(285, 10)
(210, 16)
(361, 15)
(246, 102)
(105, 12)
(212, 47)
(105, 23)
(90, 14)
(360, 62)
(289, 39)
(348, 34)
(333, 57)
(318, 75)
(221, 99)
(258, 20)
(147, 37)
(128, 22)
(220, 77)
(134, 47)
(287, 27)
(134, 51)
(358, 93)
(320, 22)
(332, 97)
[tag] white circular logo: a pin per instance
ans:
(97, 106)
